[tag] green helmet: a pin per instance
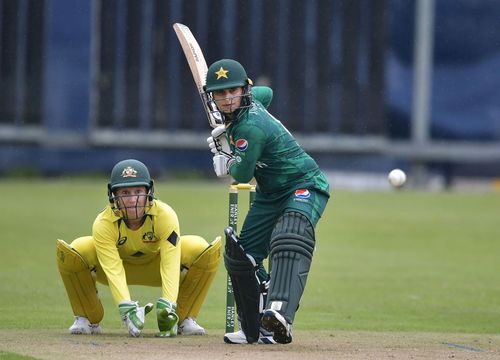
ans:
(226, 74)
(129, 172)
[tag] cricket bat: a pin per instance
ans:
(198, 66)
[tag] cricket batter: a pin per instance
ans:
(291, 195)
(136, 241)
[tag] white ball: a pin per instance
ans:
(397, 177)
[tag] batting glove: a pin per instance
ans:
(222, 163)
(218, 143)
(133, 316)
(167, 318)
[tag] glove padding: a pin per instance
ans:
(133, 316)
(222, 163)
(167, 318)
(218, 143)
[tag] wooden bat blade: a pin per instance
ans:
(198, 67)
(193, 53)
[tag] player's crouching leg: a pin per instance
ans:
(200, 261)
(80, 287)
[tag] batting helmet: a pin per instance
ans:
(225, 74)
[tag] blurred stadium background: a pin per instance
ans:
(365, 85)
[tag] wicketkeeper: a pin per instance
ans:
(136, 241)
(291, 195)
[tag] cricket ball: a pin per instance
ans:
(397, 177)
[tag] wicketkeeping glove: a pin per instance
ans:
(167, 318)
(218, 143)
(133, 316)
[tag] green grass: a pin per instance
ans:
(402, 261)
(13, 356)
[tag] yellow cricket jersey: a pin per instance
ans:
(158, 236)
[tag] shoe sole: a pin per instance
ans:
(85, 333)
(264, 340)
(271, 323)
(194, 333)
(79, 333)
(228, 341)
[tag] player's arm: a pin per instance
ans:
(167, 230)
(246, 156)
(170, 264)
(131, 313)
(263, 94)
(110, 261)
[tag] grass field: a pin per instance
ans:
(385, 262)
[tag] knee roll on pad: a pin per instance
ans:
(293, 232)
(242, 269)
(79, 284)
(292, 247)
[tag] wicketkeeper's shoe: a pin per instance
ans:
(274, 322)
(239, 337)
(83, 326)
(190, 327)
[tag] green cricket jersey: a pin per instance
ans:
(263, 148)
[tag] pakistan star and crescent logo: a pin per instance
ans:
(129, 172)
(221, 73)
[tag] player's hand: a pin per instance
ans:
(218, 141)
(214, 145)
(133, 316)
(167, 318)
(222, 163)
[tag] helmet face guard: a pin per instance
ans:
(131, 207)
(246, 102)
(227, 74)
(130, 173)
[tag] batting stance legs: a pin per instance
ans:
(286, 230)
